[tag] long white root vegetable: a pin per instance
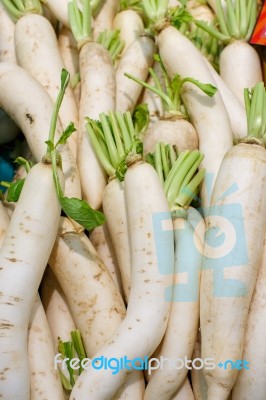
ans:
(44, 378)
(32, 110)
(7, 45)
(37, 52)
(130, 26)
(144, 325)
(136, 61)
(250, 382)
(24, 255)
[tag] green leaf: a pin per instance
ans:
(14, 190)
(50, 145)
(140, 117)
(66, 134)
(150, 159)
(121, 170)
(81, 212)
(65, 77)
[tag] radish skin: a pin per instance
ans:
(251, 383)
(175, 131)
(4, 222)
(104, 19)
(69, 52)
(114, 208)
(234, 107)
(37, 52)
(97, 95)
(94, 300)
(136, 61)
(7, 46)
(23, 258)
(59, 9)
(32, 110)
(180, 337)
(199, 385)
(101, 240)
(224, 309)
(45, 381)
(56, 309)
(240, 67)
(185, 392)
(130, 26)
(147, 313)
(207, 114)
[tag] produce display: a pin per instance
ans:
(132, 200)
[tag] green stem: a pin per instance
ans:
(80, 21)
(5, 184)
(158, 162)
(255, 100)
(17, 8)
(188, 193)
(163, 96)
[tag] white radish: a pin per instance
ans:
(7, 45)
(101, 240)
(171, 130)
(199, 385)
(240, 67)
(95, 302)
(37, 52)
(114, 208)
(180, 337)
(250, 382)
(230, 270)
(59, 9)
(104, 19)
(208, 114)
(45, 380)
(147, 313)
(130, 26)
(69, 52)
(136, 61)
(185, 392)
(32, 110)
(4, 222)
(200, 11)
(234, 107)
(24, 255)
(56, 309)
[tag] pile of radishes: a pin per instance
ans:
(134, 228)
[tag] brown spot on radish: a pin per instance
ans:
(5, 325)
(97, 277)
(147, 280)
(30, 118)
(13, 259)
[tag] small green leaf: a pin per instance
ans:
(14, 190)
(150, 159)
(121, 170)
(66, 134)
(140, 117)
(81, 212)
(50, 145)
(65, 77)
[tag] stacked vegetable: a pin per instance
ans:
(134, 227)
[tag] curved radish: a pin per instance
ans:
(251, 383)
(144, 325)
(45, 380)
(7, 47)
(182, 327)
(24, 255)
(37, 52)
(136, 61)
(130, 26)
(32, 110)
